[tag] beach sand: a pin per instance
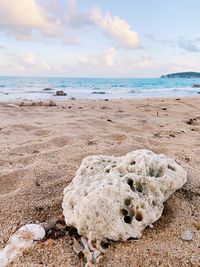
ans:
(42, 147)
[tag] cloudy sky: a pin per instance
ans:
(99, 38)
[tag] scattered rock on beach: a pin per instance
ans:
(109, 120)
(20, 241)
(10, 105)
(187, 235)
(191, 121)
(99, 93)
(49, 103)
(48, 89)
(77, 247)
(60, 93)
(115, 198)
(196, 85)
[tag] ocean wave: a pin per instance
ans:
(81, 88)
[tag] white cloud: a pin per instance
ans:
(109, 56)
(45, 65)
(72, 6)
(61, 20)
(27, 64)
(19, 18)
(105, 59)
(30, 58)
(86, 59)
(116, 28)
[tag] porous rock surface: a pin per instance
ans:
(117, 197)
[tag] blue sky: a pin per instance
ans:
(87, 38)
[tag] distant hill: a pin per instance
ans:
(182, 75)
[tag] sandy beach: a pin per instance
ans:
(42, 147)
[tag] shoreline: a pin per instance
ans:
(59, 100)
(42, 147)
(12, 89)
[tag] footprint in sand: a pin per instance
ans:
(26, 127)
(60, 141)
(11, 182)
(42, 132)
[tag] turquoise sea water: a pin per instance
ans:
(13, 88)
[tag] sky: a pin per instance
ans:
(88, 38)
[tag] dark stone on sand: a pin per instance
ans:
(198, 93)
(191, 121)
(60, 93)
(196, 85)
(47, 89)
(99, 93)
(109, 120)
(72, 98)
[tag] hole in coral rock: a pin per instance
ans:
(107, 171)
(151, 172)
(139, 187)
(131, 212)
(132, 238)
(130, 182)
(160, 172)
(105, 244)
(155, 173)
(127, 219)
(171, 167)
(138, 216)
(142, 205)
(132, 162)
(124, 212)
(127, 201)
(154, 203)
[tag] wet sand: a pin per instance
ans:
(42, 147)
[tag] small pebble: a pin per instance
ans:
(187, 235)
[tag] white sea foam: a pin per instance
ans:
(12, 88)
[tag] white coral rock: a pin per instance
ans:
(23, 239)
(117, 197)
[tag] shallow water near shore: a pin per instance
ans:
(16, 88)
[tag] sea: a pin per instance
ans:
(35, 88)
